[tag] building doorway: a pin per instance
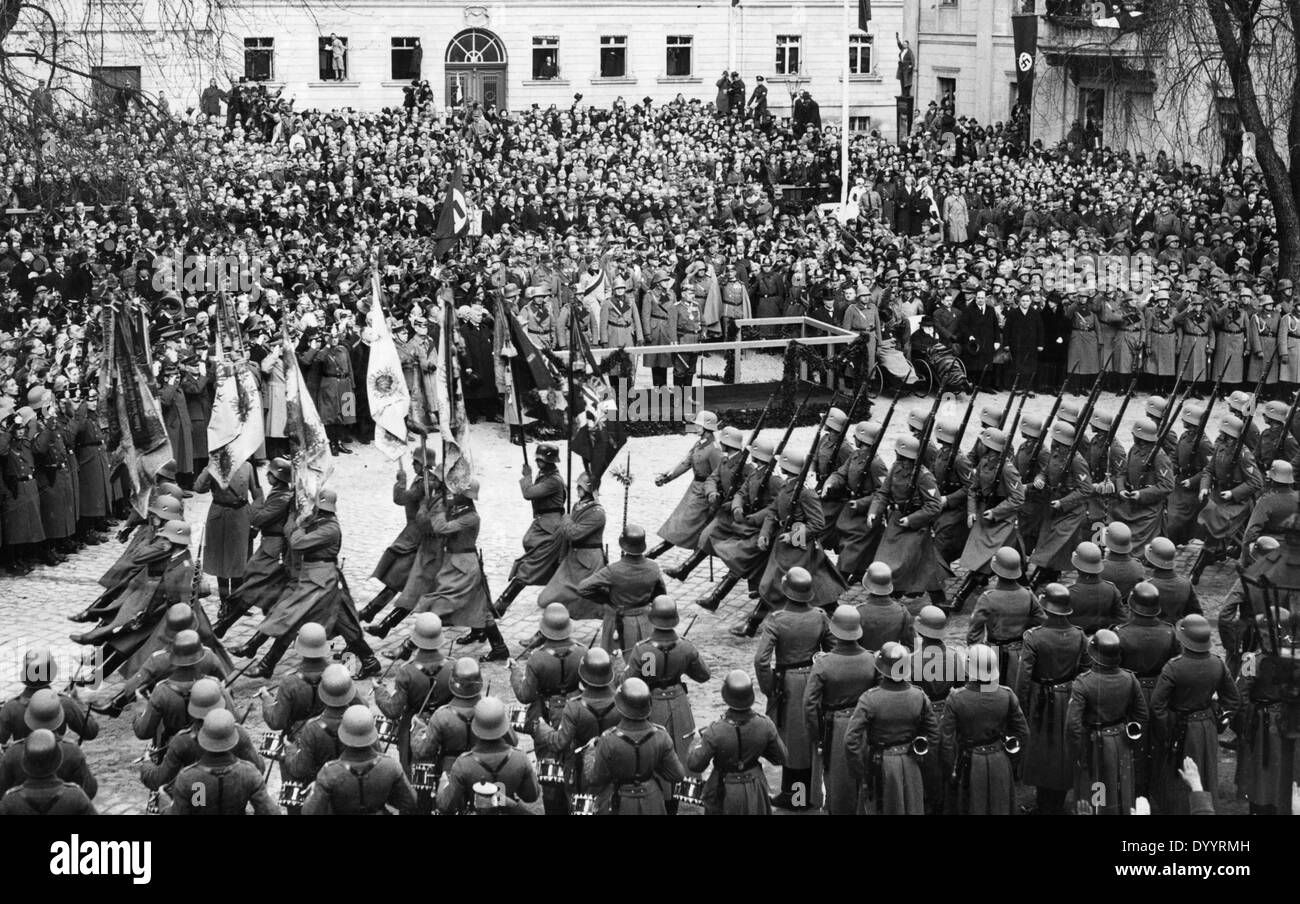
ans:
(476, 69)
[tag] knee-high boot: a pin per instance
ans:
(683, 571)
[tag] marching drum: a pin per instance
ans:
(424, 776)
(582, 805)
(519, 718)
(154, 805)
(387, 729)
(270, 745)
(550, 772)
(293, 794)
(690, 790)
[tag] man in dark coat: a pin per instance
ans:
(1023, 338)
(981, 337)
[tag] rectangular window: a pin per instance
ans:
(408, 57)
(860, 54)
(259, 59)
(333, 58)
(678, 62)
(951, 4)
(860, 124)
(546, 57)
(613, 56)
(947, 89)
(787, 54)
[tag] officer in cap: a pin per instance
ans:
(183, 749)
(636, 760)
(693, 513)
(45, 711)
(625, 588)
(982, 728)
(1193, 692)
(1095, 601)
(362, 781)
(38, 672)
(789, 639)
(43, 792)
(735, 744)
(546, 495)
(420, 685)
(548, 677)
(491, 778)
(891, 727)
(166, 711)
(584, 719)
(1105, 703)
(835, 683)
(1051, 657)
(220, 783)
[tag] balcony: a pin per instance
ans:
(1081, 28)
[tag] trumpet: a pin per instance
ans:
(1133, 731)
(1011, 744)
(920, 746)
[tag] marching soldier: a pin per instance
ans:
(823, 467)
(741, 552)
(981, 727)
(1033, 512)
(834, 685)
(545, 683)
(1275, 507)
(693, 513)
(1242, 405)
(664, 661)
(459, 595)
(37, 673)
(420, 686)
(45, 711)
(1273, 442)
(1177, 595)
(1146, 643)
(1052, 656)
(492, 777)
(883, 618)
(1095, 602)
(1228, 487)
(790, 638)
(265, 575)
(993, 499)
(1004, 613)
(734, 744)
(362, 781)
(1105, 457)
(625, 589)
(719, 490)
(43, 793)
(582, 539)
(1193, 693)
(584, 719)
(854, 484)
(910, 506)
(1119, 567)
(1067, 485)
(1143, 483)
(183, 748)
(1265, 751)
(890, 729)
(1184, 503)
(395, 564)
(317, 742)
(635, 761)
(540, 559)
(220, 783)
(1106, 704)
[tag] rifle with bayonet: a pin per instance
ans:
(1036, 447)
(924, 440)
(1011, 400)
(1198, 434)
(1080, 424)
(839, 440)
(1165, 419)
(1247, 417)
(758, 428)
(1006, 450)
(766, 474)
(796, 502)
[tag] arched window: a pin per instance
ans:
(476, 47)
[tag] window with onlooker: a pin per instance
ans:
(333, 58)
(546, 57)
(860, 47)
(259, 59)
(678, 62)
(407, 58)
(788, 54)
(613, 56)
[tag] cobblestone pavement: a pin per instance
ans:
(34, 609)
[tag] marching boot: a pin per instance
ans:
(369, 662)
(475, 635)
(391, 621)
(225, 621)
(85, 615)
(750, 626)
(793, 781)
(968, 586)
(683, 571)
(265, 667)
(499, 652)
(715, 597)
(249, 649)
(1202, 559)
(507, 597)
(659, 550)
(376, 605)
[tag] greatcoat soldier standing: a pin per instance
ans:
(980, 722)
(834, 685)
(1105, 703)
(734, 744)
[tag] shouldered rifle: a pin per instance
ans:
(1011, 400)
(744, 452)
(924, 442)
(1160, 436)
(1199, 433)
(970, 406)
(1166, 419)
(1286, 426)
(1036, 447)
(796, 507)
(1006, 448)
(1085, 413)
(839, 440)
(766, 474)
(196, 579)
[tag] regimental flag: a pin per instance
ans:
(864, 14)
(390, 398)
(453, 424)
(536, 374)
(306, 434)
(1025, 38)
(597, 433)
(236, 430)
(137, 432)
(453, 221)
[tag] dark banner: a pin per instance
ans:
(1025, 30)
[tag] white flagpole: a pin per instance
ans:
(844, 110)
